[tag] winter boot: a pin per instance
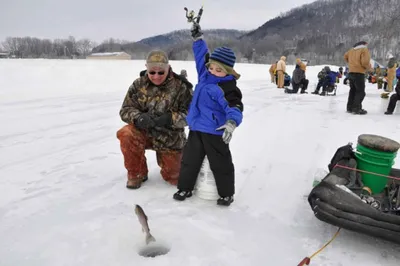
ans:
(385, 95)
(225, 201)
(135, 183)
(388, 113)
(181, 195)
(360, 112)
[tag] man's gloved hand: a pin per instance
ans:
(228, 128)
(196, 31)
(163, 120)
(144, 121)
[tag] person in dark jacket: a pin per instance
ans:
(214, 113)
(341, 71)
(322, 79)
(330, 80)
(395, 97)
(346, 76)
(298, 80)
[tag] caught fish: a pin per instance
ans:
(145, 226)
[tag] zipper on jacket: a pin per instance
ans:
(215, 118)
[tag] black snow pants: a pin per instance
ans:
(357, 91)
(392, 102)
(394, 98)
(303, 84)
(219, 155)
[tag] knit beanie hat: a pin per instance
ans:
(360, 43)
(225, 58)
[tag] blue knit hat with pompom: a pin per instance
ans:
(225, 58)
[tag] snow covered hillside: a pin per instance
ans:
(63, 199)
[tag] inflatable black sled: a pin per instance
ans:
(341, 199)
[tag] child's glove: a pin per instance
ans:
(196, 31)
(229, 127)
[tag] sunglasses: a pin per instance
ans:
(160, 73)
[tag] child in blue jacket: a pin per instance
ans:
(214, 113)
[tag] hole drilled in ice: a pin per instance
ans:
(153, 250)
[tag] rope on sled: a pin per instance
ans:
(307, 260)
(367, 172)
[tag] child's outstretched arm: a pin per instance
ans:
(200, 50)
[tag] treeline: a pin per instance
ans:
(31, 47)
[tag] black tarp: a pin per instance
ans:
(333, 205)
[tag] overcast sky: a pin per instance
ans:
(129, 19)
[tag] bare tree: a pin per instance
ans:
(85, 46)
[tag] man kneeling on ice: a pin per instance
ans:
(155, 110)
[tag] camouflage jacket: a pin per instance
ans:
(174, 95)
(321, 74)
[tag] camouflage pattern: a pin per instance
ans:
(134, 143)
(174, 95)
(378, 143)
(157, 58)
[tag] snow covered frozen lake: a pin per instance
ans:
(63, 199)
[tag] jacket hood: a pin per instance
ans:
(359, 47)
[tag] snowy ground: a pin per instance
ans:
(63, 199)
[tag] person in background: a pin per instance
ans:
(298, 81)
(358, 59)
(395, 97)
(272, 72)
(321, 80)
(341, 71)
(391, 74)
(378, 77)
(280, 70)
(301, 64)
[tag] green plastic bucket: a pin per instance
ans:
(374, 161)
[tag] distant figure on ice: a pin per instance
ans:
(330, 80)
(280, 70)
(395, 97)
(154, 122)
(358, 59)
(272, 72)
(346, 76)
(326, 78)
(298, 81)
(391, 74)
(287, 80)
(341, 71)
(378, 77)
(183, 73)
(214, 113)
(321, 81)
(301, 64)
